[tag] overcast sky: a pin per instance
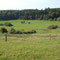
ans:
(28, 4)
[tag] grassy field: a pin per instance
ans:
(40, 26)
(37, 46)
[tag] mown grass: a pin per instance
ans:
(37, 46)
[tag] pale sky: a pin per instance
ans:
(28, 4)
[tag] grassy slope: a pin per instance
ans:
(31, 47)
(39, 26)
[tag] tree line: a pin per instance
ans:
(31, 14)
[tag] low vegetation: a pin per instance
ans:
(3, 30)
(43, 44)
(1, 24)
(13, 31)
(53, 27)
(27, 31)
(8, 24)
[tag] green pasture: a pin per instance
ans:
(37, 46)
(40, 26)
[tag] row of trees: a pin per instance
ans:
(31, 14)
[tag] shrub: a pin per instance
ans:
(27, 31)
(3, 30)
(28, 22)
(1, 24)
(8, 24)
(23, 22)
(18, 32)
(58, 19)
(52, 27)
(12, 31)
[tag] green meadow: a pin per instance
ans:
(40, 26)
(43, 45)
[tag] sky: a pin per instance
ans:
(28, 4)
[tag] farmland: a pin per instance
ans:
(37, 46)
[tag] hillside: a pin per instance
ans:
(43, 45)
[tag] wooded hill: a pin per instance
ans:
(31, 14)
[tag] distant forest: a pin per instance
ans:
(31, 14)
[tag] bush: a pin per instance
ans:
(8, 24)
(12, 31)
(23, 22)
(28, 22)
(58, 19)
(52, 27)
(3, 30)
(27, 31)
(18, 32)
(1, 24)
